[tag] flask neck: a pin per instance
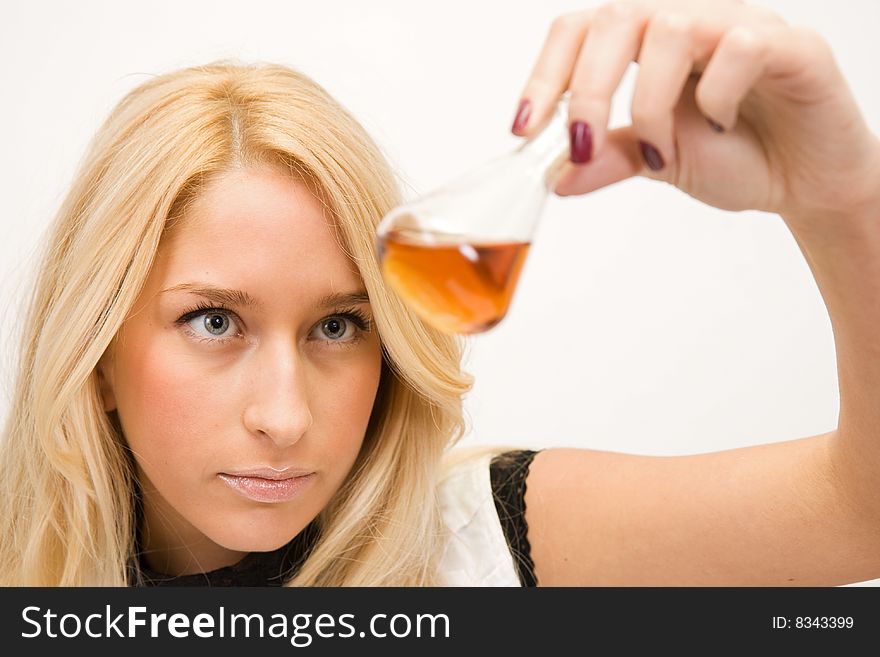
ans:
(548, 150)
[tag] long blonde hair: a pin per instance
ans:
(67, 503)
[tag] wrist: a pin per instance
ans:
(852, 210)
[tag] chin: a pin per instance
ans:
(245, 537)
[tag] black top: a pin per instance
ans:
(507, 473)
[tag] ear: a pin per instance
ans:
(104, 370)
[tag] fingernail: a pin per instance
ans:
(522, 117)
(581, 138)
(651, 156)
(717, 127)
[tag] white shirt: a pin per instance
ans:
(477, 553)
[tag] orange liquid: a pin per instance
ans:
(456, 287)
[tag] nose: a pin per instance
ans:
(278, 403)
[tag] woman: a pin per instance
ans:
(219, 386)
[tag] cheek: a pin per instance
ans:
(165, 405)
(346, 405)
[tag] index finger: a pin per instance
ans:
(552, 72)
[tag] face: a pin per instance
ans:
(245, 375)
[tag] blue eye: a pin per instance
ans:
(215, 323)
(210, 323)
(337, 328)
(345, 327)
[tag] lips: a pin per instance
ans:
(268, 485)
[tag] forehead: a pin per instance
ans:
(261, 229)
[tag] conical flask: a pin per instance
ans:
(455, 255)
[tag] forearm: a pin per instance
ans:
(843, 252)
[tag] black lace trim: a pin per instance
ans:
(508, 472)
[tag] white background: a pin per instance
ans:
(645, 322)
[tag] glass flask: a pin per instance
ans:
(455, 254)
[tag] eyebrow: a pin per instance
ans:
(230, 297)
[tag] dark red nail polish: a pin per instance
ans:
(522, 117)
(581, 138)
(717, 127)
(651, 156)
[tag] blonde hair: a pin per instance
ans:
(67, 485)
